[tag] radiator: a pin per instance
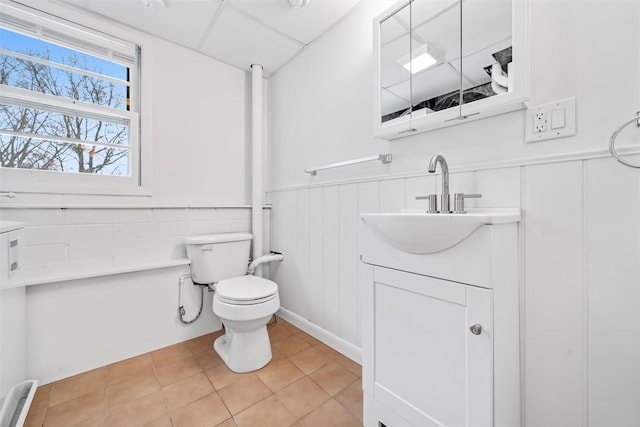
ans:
(16, 405)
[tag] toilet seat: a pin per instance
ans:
(246, 290)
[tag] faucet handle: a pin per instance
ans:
(458, 201)
(433, 202)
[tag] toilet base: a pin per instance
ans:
(244, 351)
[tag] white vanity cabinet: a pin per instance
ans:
(440, 331)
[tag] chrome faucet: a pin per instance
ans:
(444, 198)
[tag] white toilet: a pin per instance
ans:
(245, 303)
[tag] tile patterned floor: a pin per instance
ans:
(186, 385)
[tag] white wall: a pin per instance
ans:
(580, 234)
(13, 331)
(77, 325)
(201, 117)
(321, 103)
(200, 112)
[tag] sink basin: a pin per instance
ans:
(423, 233)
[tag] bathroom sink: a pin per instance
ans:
(424, 233)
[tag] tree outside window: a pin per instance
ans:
(38, 132)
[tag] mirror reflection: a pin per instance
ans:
(486, 48)
(421, 50)
(395, 96)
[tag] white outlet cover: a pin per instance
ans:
(569, 128)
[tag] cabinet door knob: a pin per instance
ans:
(476, 329)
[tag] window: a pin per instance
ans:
(69, 106)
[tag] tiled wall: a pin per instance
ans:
(579, 264)
(75, 240)
(77, 325)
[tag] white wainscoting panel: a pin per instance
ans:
(368, 197)
(580, 261)
(612, 213)
(418, 186)
(331, 257)
(555, 327)
(392, 195)
(459, 182)
(500, 188)
(368, 201)
(349, 256)
(315, 277)
(300, 255)
(284, 242)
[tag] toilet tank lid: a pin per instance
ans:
(205, 239)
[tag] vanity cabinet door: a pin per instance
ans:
(432, 349)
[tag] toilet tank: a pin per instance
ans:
(215, 257)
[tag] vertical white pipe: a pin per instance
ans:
(256, 164)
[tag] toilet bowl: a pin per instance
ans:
(244, 303)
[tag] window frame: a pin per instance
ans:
(138, 183)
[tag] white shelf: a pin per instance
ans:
(119, 269)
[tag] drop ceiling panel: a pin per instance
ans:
(494, 27)
(392, 71)
(237, 32)
(183, 22)
(442, 33)
(391, 29)
(304, 24)
(427, 10)
(434, 82)
(238, 40)
(401, 91)
(391, 102)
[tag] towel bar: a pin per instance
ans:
(384, 158)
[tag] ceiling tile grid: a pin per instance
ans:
(236, 32)
(304, 24)
(238, 41)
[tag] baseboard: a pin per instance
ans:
(346, 348)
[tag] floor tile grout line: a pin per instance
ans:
(215, 391)
(164, 398)
(193, 343)
(262, 400)
(347, 409)
(298, 419)
(265, 384)
(224, 403)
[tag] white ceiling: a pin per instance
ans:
(237, 32)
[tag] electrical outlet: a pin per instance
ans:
(540, 122)
(551, 121)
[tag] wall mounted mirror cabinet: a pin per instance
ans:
(441, 62)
